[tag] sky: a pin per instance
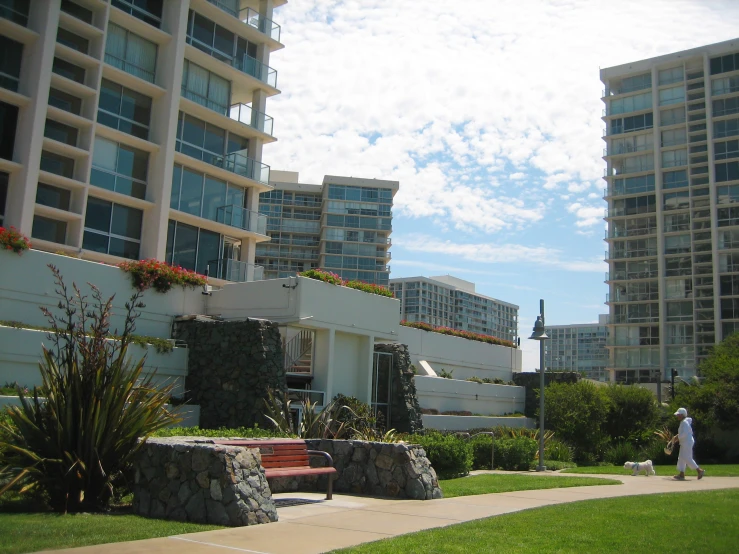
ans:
(488, 113)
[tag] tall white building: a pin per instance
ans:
(672, 178)
(578, 347)
(134, 129)
(342, 225)
(447, 301)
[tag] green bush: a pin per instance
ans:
(556, 465)
(557, 450)
(577, 412)
(515, 454)
(633, 413)
(355, 414)
(620, 452)
(482, 451)
(225, 432)
(451, 456)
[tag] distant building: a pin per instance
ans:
(342, 226)
(447, 301)
(578, 347)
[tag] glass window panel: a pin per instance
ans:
(126, 221)
(98, 214)
(124, 248)
(64, 101)
(193, 131)
(185, 246)
(191, 192)
(214, 197)
(105, 154)
(95, 242)
(174, 201)
(208, 249)
(214, 139)
(55, 197)
(52, 230)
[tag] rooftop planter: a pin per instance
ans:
(333, 279)
(456, 333)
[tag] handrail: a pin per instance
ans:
(296, 348)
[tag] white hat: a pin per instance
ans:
(681, 411)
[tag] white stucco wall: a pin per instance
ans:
(21, 351)
(467, 358)
(448, 395)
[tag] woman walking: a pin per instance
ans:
(685, 437)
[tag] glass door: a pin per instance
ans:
(382, 376)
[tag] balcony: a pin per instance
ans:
(251, 117)
(633, 297)
(235, 271)
(17, 15)
(251, 17)
(245, 63)
(241, 218)
(636, 253)
(235, 162)
(130, 68)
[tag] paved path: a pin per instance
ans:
(350, 520)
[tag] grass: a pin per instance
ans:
(484, 484)
(42, 531)
(630, 524)
(723, 470)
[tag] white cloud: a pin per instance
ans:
(586, 215)
(497, 253)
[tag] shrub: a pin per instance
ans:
(334, 279)
(557, 450)
(475, 380)
(226, 432)
(450, 456)
(576, 412)
(633, 413)
(456, 333)
(482, 451)
(12, 239)
(620, 452)
(160, 276)
(355, 414)
(516, 454)
(78, 444)
(444, 374)
(556, 465)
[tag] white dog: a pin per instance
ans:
(637, 467)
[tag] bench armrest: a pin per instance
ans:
(326, 455)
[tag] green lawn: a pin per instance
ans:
(41, 531)
(724, 470)
(631, 524)
(484, 484)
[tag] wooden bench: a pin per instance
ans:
(288, 458)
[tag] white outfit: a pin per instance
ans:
(685, 436)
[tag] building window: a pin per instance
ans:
(11, 54)
(59, 165)
(673, 116)
(192, 248)
(54, 197)
(722, 64)
(124, 109)
(112, 229)
(672, 75)
(60, 132)
(131, 53)
(727, 106)
(218, 41)
(676, 200)
(205, 196)
(48, 229)
(65, 101)
(631, 103)
(637, 82)
(674, 179)
(69, 70)
(71, 40)
(8, 124)
(727, 172)
(15, 10)
(206, 142)
(674, 95)
(724, 85)
(75, 10)
(674, 158)
(726, 150)
(3, 195)
(206, 88)
(149, 11)
(119, 168)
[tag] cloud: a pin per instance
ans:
(586, 215)
(497, 253)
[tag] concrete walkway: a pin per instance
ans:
(321, 526)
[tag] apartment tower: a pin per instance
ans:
(342, 225)
(447, 301)
(578, 347)
(672, 187)
(134, 129)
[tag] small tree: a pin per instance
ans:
(576, 412)
(76, 444)
(633, 413)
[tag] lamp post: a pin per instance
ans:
(540, 335)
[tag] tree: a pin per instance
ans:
(633, 413)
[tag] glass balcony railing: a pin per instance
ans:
(250, 17)
(253, 118)
(241, 218)
(235, 162)
(235, 271)
(129, 67)
(244, 63)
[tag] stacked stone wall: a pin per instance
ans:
(405, 412)
(231, 366)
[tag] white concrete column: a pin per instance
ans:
(164, 113)
(38, 59)
(368, 369)
(330, 362)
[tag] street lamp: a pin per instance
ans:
(540, 334)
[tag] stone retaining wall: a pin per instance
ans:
(405, 412)
(372, 468)
(232, 365)
(195, 480)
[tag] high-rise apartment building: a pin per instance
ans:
(342, 225)
(578, 347)
(672, 153)
(447, 301)
(135, 129)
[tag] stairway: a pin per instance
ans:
(299, 353)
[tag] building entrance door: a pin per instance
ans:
(382, 376)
